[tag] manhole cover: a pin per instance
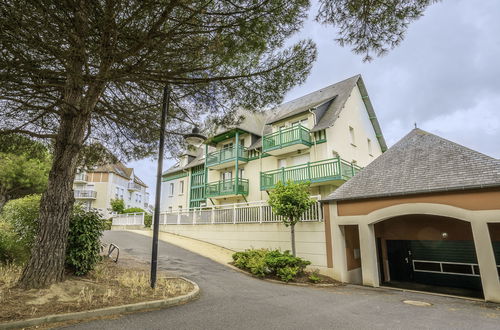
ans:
(417, 303)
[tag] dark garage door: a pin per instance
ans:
(439, 263)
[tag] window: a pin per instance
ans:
(117, 194)
(180, 208)
(226, 175)
(170, 209)
(181, 187)
(369, 146)
(302, 122)
(353, 137)
(241, 171)
(121, 193)
(227, 145)
(242, 142)
(171, 189)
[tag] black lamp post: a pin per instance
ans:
(156, 218)
(193, 138)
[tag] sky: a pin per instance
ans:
(445, 77)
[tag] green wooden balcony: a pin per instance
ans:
(227, 157)
(287, 140)
(227, 188)
(324, 171)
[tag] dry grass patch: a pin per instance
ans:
(109, 284)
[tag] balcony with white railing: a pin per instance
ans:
(132, 186)
(81, 178)
(85, 194)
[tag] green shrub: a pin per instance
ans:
(117, 205)
(148, 220)
(22, 215)
(286, 274)
(108, 223)
(314, 277)
(11, 249)
(261, 263)
(82, 252)
(133, 210)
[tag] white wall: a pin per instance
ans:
(310, 237)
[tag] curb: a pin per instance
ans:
(137, 307)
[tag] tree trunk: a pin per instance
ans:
(46, 264)
(292, 231)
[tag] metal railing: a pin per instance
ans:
(128, 219)
(286, 137)
(227, 187)
(227, 154)
(134, 186)
(313, 172)
(251, 212)
(81, 177)
(85, 194)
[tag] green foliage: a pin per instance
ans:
(117, 205)
(290, 201)
(314, 277)
(11, 250)
(24, 167)
(82, 253)
(19, 223)
(286, 274)
(262, 263)
(148, 220)
(133, 210)
(22, 216)
(371, 26)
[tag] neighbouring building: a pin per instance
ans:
(425, 215)
(324, 137)
(96, 188)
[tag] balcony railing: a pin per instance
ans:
(85, 194)
(81, 177)
(133, 186)
(286, 137)
(226, 155)
(227, 187)
(313, 172)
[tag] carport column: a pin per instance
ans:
(368, 249)
(486, 261)
(339, 256)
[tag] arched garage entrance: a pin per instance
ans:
(428, 253)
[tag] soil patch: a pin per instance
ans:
(110, 284)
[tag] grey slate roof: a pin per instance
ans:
(421, 162)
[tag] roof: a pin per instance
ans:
(119, 169)
(328, 102)
(421, 162)
(252, 122)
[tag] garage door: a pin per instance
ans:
(441, 263)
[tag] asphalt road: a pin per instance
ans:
(231, 300)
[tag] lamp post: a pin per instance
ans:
(156, 218)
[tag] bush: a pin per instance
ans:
(314, 277)
(11, 250)
(262, 263)
(133, 210)
(148, 220)
(22, 215)
(82, 252)
(117, 205)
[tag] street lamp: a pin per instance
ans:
(195, 138)
(156, 218)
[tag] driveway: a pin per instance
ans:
(231, 300)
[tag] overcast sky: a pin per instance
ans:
(445, 76)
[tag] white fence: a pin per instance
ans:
(128, 219)
(252, 212)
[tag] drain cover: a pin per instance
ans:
(417, 303)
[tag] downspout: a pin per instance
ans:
(315, 145)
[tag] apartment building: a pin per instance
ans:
(97, 187)
(324, 138)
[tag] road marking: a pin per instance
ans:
(417, 303)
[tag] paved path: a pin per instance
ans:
(231, 300)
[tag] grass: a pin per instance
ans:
(110, 284)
